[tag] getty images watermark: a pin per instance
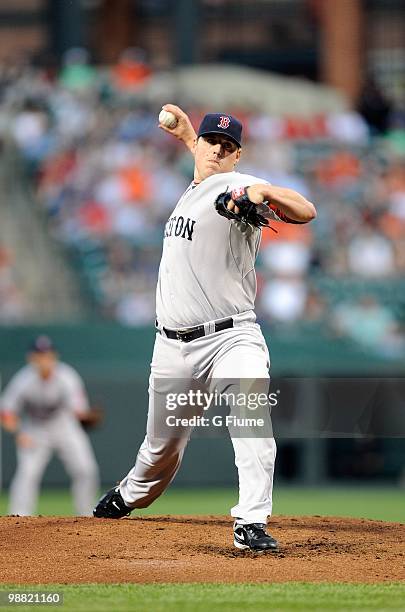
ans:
(203, 401)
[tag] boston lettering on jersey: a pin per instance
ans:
(178, 226)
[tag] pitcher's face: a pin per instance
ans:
(214, 154)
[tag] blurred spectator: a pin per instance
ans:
(13, 310)
(131, 71)
(348, 127)
(136, 308)
(370, 254)
(374, 106)
(286, 257)
(315, 307)
(77, 74)
(371, 325)
(341, 169)
(31, 132)
(283, 299)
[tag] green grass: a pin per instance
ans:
(386, 504)
(225, 597)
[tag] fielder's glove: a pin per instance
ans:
(92, 418)
(247, 209)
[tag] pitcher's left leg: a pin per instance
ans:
(255, 459)
(245, 366)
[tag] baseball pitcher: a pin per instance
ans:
(206, 325)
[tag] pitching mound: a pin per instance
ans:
(196, 549)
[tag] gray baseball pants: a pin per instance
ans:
(64, 435)
(236, 353)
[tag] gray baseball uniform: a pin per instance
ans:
(206, 275)
(46, 409)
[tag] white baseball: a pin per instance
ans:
(167, 119)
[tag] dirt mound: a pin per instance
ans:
(196, 549)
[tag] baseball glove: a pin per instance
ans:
(92, 418)
(247, 209)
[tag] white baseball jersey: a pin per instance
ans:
(207, 266)
(37, 399)
(206, 273)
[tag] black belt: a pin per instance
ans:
(192, 333)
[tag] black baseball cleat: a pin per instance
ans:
(253, 537)
(111, 505)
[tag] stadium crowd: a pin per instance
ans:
(107, 178)
(13, 307)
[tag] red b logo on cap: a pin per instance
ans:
(224, 122)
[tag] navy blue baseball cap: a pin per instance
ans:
(41, 344)
(220, 123)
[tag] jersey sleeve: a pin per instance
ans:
(11, 400)
(76, 396)
(246, 180)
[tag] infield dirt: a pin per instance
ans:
(70, 550)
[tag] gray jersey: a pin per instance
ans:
(28, 395)
(207, 266)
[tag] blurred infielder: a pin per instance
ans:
(205, 319)
(42, 406)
